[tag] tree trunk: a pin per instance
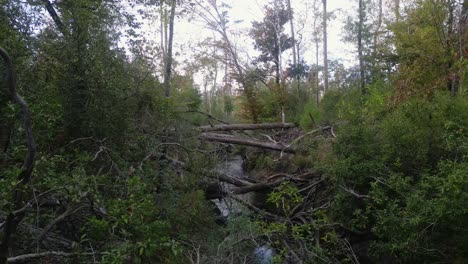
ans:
(452, 76)
(291, 22)
(223, 138)
(53, 14)
(397, 11)
(463, 41)
(8, 228)
(77, 94)
(163, 31)
(168, 70)
(360, 48)
(278, 47)
(325, 48)
(375, 71)
(230, 127)
(316, 39)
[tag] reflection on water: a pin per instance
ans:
(264, 255)
(230, 208)
(232, 168)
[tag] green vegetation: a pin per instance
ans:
(379, 174)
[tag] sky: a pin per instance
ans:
(247, 11)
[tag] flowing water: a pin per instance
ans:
(230, 208)
(233, 168)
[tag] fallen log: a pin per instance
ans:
(223, 138)
(231, 127)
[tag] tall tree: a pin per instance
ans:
(463, 41)
(216, 17)
(397, 10)
(362, 77)
(168, 59)
(270, 39)
(291, 22)
(426, 47)
(316, 39)
(325, 47)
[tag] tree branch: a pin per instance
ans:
(28, 257)
(58, 22)
(12, 221)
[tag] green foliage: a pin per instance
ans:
(405, 160)
(285, 197)
(310, 111)
(425, 48)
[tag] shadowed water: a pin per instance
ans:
(230, 208)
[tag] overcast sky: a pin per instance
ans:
(252, 10)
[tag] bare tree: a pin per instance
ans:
(325, 47)
(376, 37)
(168, 59)
(291, 22)
(360, 46)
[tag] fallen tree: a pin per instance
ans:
(223, 138)
(231, 127)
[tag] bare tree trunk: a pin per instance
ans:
(463, 40)
(291, 22)
(397, 11)
(325, 48)
(223, 138)
(376, 39)
(278, 47)
(163, 32)
(168, 70)
(231, 127)
(360, 48)
(53, 14)
(316, 39)
(452, 77)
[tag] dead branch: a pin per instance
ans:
(234, 181)
(247, 127)
(256, 209)
(28, 257)
(223, 138)
(355, 194)
(60, 218)
(152, 153)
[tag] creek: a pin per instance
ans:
(229, 208)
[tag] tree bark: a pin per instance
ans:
(316, 40)
(463, 40)
(12, 221)
(325, 47)
(231, 127)
(397, 11)
(360, 47)
(375, 71)
(452, 76)
(55, 17)
(223, 138)
(291, 22)
(168, 70)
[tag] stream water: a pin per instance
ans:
(230, 208)
(233, 168)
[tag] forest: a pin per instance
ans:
(174, 131)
